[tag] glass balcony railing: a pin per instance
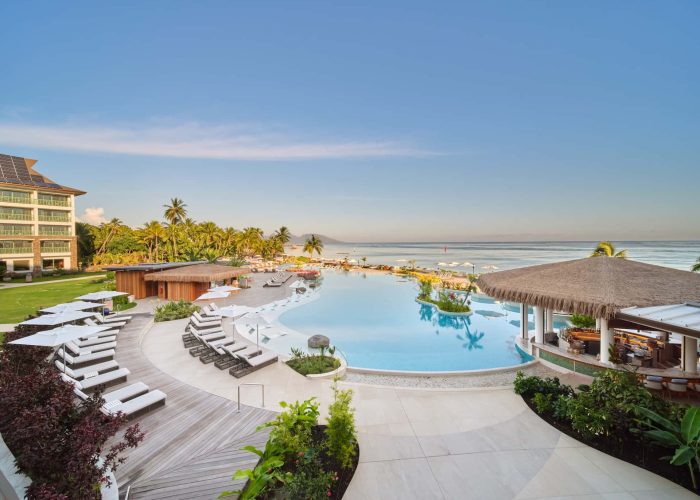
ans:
(16, 249)
(55, 248)
(54, 218)
(9, 198)
(53, 231)
(15, 216)
(54, 202)
(16, 231)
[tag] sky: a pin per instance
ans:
(366, 120)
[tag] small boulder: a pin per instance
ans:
(318, 341)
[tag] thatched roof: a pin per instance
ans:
(596, 286)
(200, 273)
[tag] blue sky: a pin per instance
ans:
(368, 121)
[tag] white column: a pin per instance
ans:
(690, 354)
(549, 320)
(597, 323)
(524, 322)
(539, 325)
(606, 340)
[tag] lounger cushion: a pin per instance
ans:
(96, 341)
(679, 380)
(137, 404)
(654, 378)
(105, 378)
(78, 373)
(262, 358)
(77, 350)
(86, 358)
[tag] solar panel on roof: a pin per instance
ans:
(14, 170)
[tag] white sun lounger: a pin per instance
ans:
(76, 350)
(114, 317)
(247, 351)
(214, 323)
(85, 359)
(113, 328)
(135, 406)
(91, 383)
(124, 394)
(111, 323)
(79, 373)
(204, 319)
(204, 331)
(90, 341)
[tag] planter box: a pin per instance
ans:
(338, 372)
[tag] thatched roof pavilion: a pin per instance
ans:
(198, 273)
(595, 286)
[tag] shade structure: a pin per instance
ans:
(298, 284)
(224, 288)
(595, 286)
(103, 295)
(78, 305)
(259, 319)
(213, 295)
(59, 336)
(678, 318)
(58, 319)
(233, 311)
(198, 273)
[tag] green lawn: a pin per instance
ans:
(55, 278)
(17, 303)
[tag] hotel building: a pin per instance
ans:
(37, 219)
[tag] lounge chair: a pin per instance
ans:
(80, 373)
(210, 310)
(116, 317)
(228, 357)
(197, 338)
(85, 359)
(253, 364)
(215, 350)
(76, 350)
(136, 406)
(90, 384)
(113, 327)
(90, 341)
(107, 322)
(205, 319)
(203, 331)
(124, 394)
(202, 325)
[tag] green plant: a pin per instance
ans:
(266, 474)
(291, 430)
(175, 310)
(309, 481)
(307, 364)
(582, 321)
(529, 386)
(341, 435)
(425, 289)
(684, 437)
(544, 403)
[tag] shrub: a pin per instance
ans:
(341, 435)
(582, 321)
(175, 310)
(291, 430)
(425, 289)
(528, 386)
(309, 481)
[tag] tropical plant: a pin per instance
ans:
(341, 435)
(237, 261)
(696, 266)
(283, 235)
(249, 241)
(174, 310)
(582, 321)
(313, 244)
(291, 430)
(607, 249)
(309, 481)
(684, 437)
(152, 235)
(425, 289)
(266, 474)
(108, 232)
(174, 213)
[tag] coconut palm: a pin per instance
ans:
(151, 235)
(249, 240)
(175, 213)
(283, 235)
(607, 249)
(110, 230)
(313, 244)
(696, 266)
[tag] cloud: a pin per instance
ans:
(193, 140)
(93, 215)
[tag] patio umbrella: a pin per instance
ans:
(467, 264)
(260, 319)
(224, 288)
(491, 267)
(58, 319)
(78, 305)
(101, 297)
(233, 311)
(213, 295)
(59, 336)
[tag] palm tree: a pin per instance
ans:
(313, 244)
(607, 249)
(364, 261)
(696, 266)
(250, 240)
(283, 235)
(110, 231)
(175, 213)
(152, 234)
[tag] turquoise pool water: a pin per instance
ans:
(375, 320)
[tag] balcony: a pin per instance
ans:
(16, 231)
(15, 216)
(53, 202)
(52, 247)
(54, 218)
(5, 250)
(8, 198)
(54, 231)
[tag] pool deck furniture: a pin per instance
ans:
(90, 341)
(91, 384)
(136, 406)
(254, 363)
(85, 359)
(124, 394)
(77, 350)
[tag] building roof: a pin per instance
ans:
(155, 266)
(16, 171)
(595, 286)
(199, 273)
(678, 318)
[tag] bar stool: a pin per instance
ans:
(678, 386)
(654, 383)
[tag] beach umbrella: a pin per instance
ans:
(224, 288)
(101, 297)
(467, 264)
(213, 295)
(78, 305)
(58, 319)
(260, 319)
(59, 336)
(233, 311)
(490, 267)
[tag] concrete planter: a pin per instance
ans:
(338, 372)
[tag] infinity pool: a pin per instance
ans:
(376, 322)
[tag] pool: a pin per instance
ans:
(377, 324)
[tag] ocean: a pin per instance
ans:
(499, 256)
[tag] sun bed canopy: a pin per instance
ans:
(199, 273)
(595, 286)
(677, 318)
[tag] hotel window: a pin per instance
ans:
(21, 265)
(52, 264)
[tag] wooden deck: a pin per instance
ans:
(193, 444)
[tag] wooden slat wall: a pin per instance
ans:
(132, 282)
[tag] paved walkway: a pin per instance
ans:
(432, 443)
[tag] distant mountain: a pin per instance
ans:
(300, 240)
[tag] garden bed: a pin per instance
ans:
(467, 312)
(314, 364)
